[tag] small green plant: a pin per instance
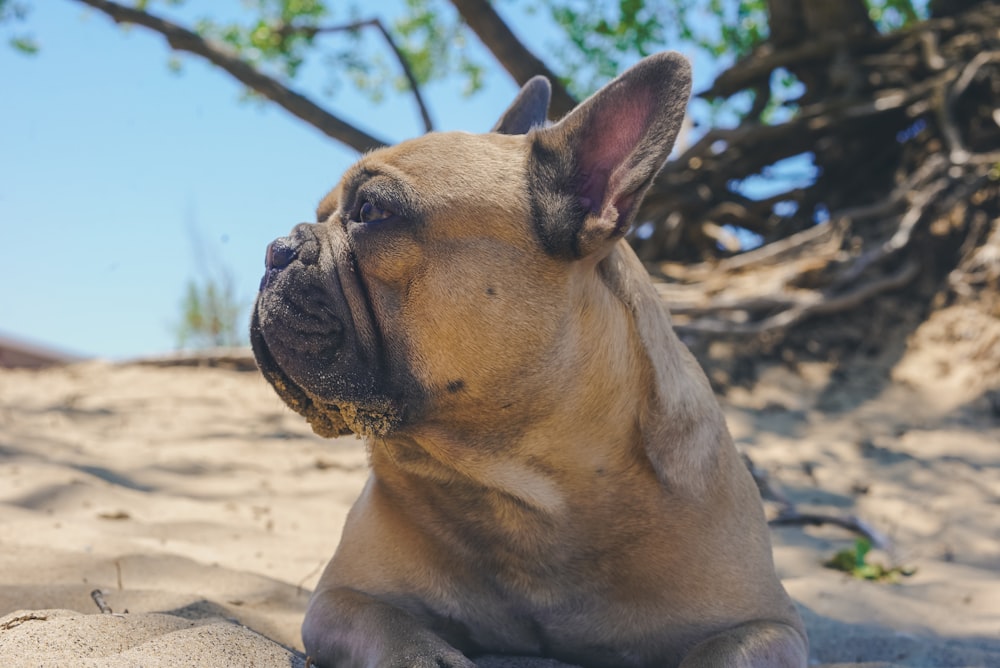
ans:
(854, 562)
(210, 314)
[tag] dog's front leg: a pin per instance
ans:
(753, 645)
(345, 628)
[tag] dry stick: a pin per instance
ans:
(790, 516)
(21, 619)
(746, 305)
(815, 304)
(771, 252)
(102, 605)
(400, 56)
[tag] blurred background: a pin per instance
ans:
(152, 149)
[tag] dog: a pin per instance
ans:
(551, 475)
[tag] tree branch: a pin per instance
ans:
(403, 62)
(298, 105)
(512, 54)
(764, 60)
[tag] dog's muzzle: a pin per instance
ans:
(313, 334)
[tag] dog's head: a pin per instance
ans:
(439, 273)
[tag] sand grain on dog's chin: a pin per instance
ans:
(327, 423)
(375, 418)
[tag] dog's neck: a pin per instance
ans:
(555, 455)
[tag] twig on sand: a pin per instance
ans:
(791, 516)
(21, 619)
(102, 605)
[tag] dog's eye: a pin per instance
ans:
(372, 213)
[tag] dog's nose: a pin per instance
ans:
(301, 244)
(279, 254)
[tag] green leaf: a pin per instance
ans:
(25, 45)
(862, 547)
(854, 562)
(889, 15)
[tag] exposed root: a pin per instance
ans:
(905, 141)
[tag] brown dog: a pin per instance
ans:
(551, 475)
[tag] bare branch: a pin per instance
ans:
(778, 251)
(513, 55)
(791, 516)
(298, 105)
(400, 56)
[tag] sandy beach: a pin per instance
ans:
(203, 510)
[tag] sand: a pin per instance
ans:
(203, 510)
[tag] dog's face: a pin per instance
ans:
(430, 258)
(402, 299)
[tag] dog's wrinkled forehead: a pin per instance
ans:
(436, 172)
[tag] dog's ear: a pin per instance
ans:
(528, 110)
(590, 171)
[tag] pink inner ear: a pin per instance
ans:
(611, 134)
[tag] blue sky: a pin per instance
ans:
(111, 166)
